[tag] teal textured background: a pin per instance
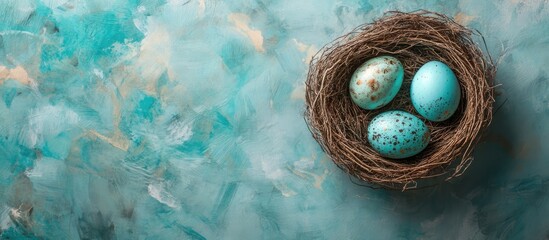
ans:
(171, 119)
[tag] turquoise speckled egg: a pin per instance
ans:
(435, 91)
(376, 82)
(398, 134)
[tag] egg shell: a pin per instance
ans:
(376, 82)
(435, 91)
(398, 134)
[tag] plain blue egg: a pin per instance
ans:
(398, 134)
(376, 82)
(435, 91)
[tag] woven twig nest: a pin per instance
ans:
(415, 38)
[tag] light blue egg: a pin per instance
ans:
(435, 91)
(376, 82)
(398, 134)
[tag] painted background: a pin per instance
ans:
(170, 119)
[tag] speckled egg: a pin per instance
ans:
(398, 134)
(435, 91)
(376, 82)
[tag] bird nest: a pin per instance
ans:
(340, 126)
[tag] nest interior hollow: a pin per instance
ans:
(415, 38)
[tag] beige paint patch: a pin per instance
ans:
(309, 50)
(318, 180)
(241, 22)
(18, 74)
(284, 190)
(150, 60)
(298, 93)
(201, 7)
(463, 18)
(155, 54)
(117, 140)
